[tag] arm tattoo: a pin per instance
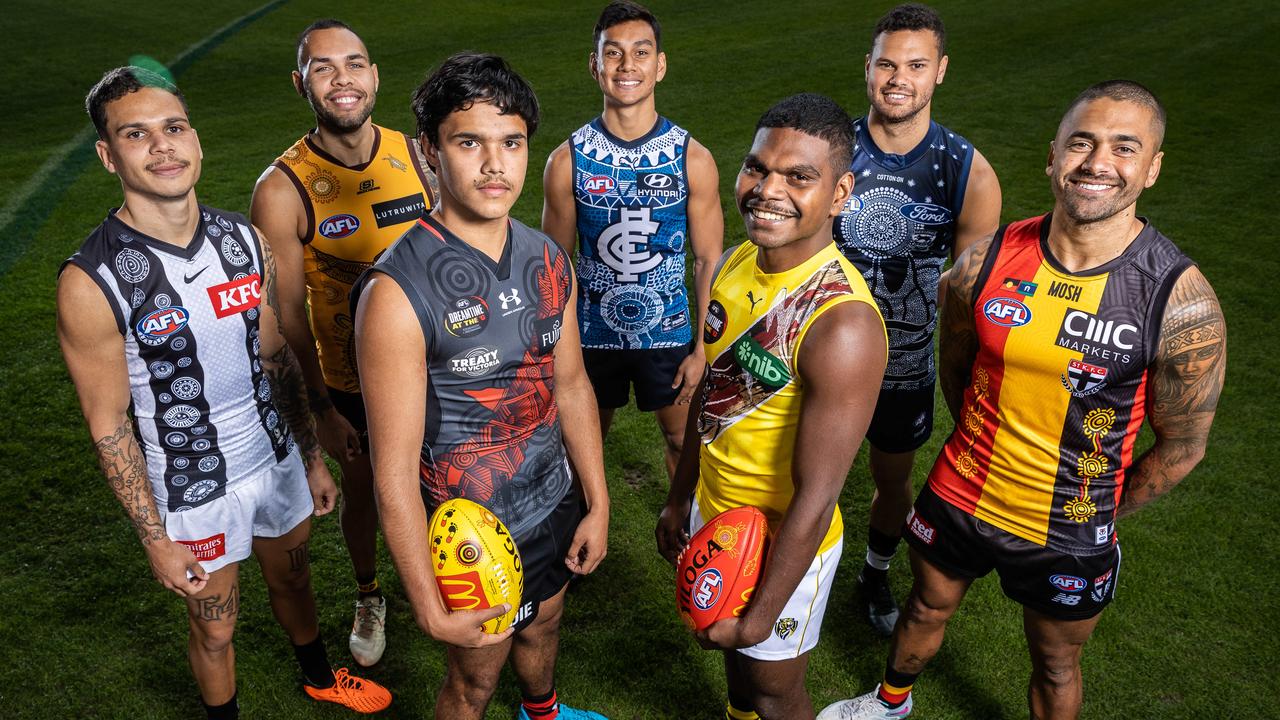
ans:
(958, 339)
(215, 609)
(122, 462)
(288, 386)
(1185, 385)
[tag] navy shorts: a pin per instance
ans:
(542, 551)
(1056, 584)
(613, 372)
(903, 420)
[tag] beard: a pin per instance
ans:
(337, 123)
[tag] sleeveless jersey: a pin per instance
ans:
(898, 228)
(492, 425)
(353, 214)
(1059, 387)
(189, 316)
(631, 200)
(756, 322)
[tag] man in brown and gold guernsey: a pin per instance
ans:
(1060, 336)
(330, 205)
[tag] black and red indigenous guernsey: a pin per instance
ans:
(1059, 387)
(492, 425)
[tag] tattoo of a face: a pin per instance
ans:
(214, 608)
(1193, 350)
(125, 467)
(300, 557)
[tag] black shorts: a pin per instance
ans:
(1062, 586)
(903, 420)
(351, 407)
(613, 372)
(542, 551)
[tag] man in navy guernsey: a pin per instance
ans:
(467, 343)
(637, 190)
(922, 194)
(169, 324)
(1060, 335)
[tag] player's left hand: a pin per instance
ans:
(731, 634)
(590, 542)
(324, 491)
(689, 374)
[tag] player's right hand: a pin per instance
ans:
(336, 435)
(176, 568)
(670, 532)
(461, 628)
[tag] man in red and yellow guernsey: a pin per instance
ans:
(796, 351)
(1060, 335)
(330, 205)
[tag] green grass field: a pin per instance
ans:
(87, 633)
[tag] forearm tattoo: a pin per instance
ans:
(288, 386)
(958, 339)
(214, 608)
(125, 466)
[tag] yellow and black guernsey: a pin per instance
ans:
(1059, 387)
(353, 214)
(755, 325)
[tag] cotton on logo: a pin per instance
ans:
(236, 296)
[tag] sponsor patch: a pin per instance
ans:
(236, 296)
(679, 320)
(400, 210)
(1083, 379)
(1093, 337)
(547, 333)
(207, 549)
(763, 365)
(926, 213)
(920, 528)
(156, 326)
(660, 185)
(464, 591)
(336, 227)
(467, 316)
(1006, 312)
(1065, 290)
(1065, 599)
(599, 184)
(706, 589)
(1067, 583)
(1024, 288)
(474, 362)
(717, 319)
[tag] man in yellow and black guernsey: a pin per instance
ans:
(329, 206)
(796, 350)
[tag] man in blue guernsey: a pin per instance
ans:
(638, 191)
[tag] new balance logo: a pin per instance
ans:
(1066, 599)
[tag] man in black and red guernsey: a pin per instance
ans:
(1060, 335)
(467, 344)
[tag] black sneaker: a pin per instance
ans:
(882, 609)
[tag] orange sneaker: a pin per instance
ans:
(363, 696)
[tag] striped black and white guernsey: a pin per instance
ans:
(189, 316)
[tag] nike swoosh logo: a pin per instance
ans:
(188, 278)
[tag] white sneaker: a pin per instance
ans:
(368, 632)
(865, 707)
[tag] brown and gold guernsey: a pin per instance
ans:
(1058, 389)
(353, 214)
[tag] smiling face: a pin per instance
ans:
(627, 64)
(151, 145)
(336, 77)
(788, 190)
(480, 160)
(902, 70)
(1105, 154)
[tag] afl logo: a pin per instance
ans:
(926, 213)
(1006, 312)
(657, 181)
(598, 184)
(336, 227)
(1067, 583)
(156, 326)
(706, 589)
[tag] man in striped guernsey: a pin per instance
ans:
(1060, 335)
(168, 313)
(330, 205)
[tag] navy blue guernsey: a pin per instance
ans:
(492, 432)
(631, 199)
(189, 316)
(898, 228)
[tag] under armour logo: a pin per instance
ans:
(753, 300)
(624, 245)
(510, 300)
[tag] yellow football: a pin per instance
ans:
(476, 562)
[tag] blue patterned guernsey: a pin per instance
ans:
(631, 200)
(898, 229)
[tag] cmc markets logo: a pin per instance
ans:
(156, 326)
(336, 227)
(599, 184)
(1006, 312)
(1089, 334)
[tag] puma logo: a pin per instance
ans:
(753, 300)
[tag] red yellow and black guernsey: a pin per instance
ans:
(1058, 388)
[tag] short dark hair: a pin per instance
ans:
(819, 116)
(1124, 91)
(321, 24)
(620, 11)
(119, 82)
(913, 16)
(465, 79)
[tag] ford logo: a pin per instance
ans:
(926, 213)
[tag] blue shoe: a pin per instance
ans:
(566, 713)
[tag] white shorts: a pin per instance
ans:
(796, 630)
(222, 532)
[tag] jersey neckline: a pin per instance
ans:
(1139, 241)
(500, 269)
(655, 131)
(888, 160)
(119, 227)
(373, 154)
